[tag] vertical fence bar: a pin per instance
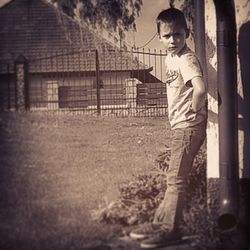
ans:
(90, 66)
(105, 92)
(149, 63)
(69, 102)
(157, 87)
(121, 82)
(161, 65)
(40, 100)
(8, 85)
(155, 58)
(144, 65)
(27, 87)
(57, 54)
(78, 75)
(145, 85)
(161, 75)
(116, 77)
(98, 100)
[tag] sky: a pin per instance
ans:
(145, 23)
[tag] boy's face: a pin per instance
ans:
(173, 37)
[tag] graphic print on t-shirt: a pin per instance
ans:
(172, 75)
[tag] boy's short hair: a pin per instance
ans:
(171, 15)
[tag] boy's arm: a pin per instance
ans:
(199, 93)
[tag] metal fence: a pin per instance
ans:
(106, 82)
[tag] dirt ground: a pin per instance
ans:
(57, 168)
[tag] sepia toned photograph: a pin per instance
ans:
(124, 124)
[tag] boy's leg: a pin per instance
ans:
(185, 145)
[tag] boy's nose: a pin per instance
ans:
(171, 39)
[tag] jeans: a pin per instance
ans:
(185, 145)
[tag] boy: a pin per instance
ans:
(186, 93)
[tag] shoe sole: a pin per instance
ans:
(168, 243)
(138, 236)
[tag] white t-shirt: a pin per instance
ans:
(180, 70)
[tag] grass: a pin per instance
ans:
(55, 169)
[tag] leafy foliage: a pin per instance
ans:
(137, 201)
(139, 198)
(115, 15)
(187, 7)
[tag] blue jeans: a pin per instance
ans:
(185, 145)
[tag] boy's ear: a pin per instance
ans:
(187, 33)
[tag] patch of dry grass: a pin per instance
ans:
(56, 168)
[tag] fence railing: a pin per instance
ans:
(109, 82)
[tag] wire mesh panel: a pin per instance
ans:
(106, 82)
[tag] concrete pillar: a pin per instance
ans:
(131, 93)
(22, 88)
(53, 98)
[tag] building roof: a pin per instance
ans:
(51, 41)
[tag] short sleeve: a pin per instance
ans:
(190, 67)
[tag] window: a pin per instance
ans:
(72, 97)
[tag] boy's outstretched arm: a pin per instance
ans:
(199, 93)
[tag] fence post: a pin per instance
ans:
(8, 82)
(98, 101)
(22, 88)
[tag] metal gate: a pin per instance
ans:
(104, 82)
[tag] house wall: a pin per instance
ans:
(243, 71)
(60, 91)
(219, 202)
(111, 93)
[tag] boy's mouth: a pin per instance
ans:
(173, 48)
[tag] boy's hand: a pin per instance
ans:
(199, 94)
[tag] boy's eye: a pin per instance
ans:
(177, 34)
(167, 36)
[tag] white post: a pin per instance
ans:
(131, 93)
(53, 99)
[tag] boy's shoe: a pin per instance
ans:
(145, 231)
(161, 239)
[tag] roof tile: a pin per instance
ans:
(52, 41)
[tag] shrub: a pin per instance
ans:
(139, 198)
(137, 201)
